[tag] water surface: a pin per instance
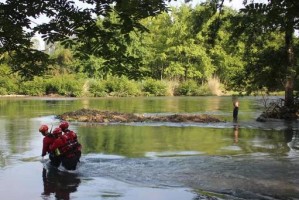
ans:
(244, 160)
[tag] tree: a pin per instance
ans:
(281, 16)
(213, 31)
(188, 55)
(173, 50)
(68, 23)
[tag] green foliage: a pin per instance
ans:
(187, 88)
(97, 88)
(191, 88)
(28, 69)
(266, 71)
(154, 87)
(122, 87)
(265, 59)
(204, 90)
(66, 85)
(94, 67)
(36, 87)
(188, 45)
(260, 20)
(73, 26)
(8, 82)
(114, 86)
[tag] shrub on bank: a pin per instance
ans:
(65, 85)
(8, 86)
(153, 87)
(122, 87)
(97, 88)
(187, 88)
(36, 87)
(77, 86)
(204, 90)
(191, 88)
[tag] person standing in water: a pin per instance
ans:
(47, 141)
(72, 136)
(236, 109)
(67, 148)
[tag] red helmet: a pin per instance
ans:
(43, 128)
(64, 125)
(57, 131)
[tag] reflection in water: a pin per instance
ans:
(291, 135)
(51, 102)
(236, 133)
(288, 135)
(138, 141)
(60, 184)
(294, 143)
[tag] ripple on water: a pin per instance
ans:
(232, 148)
(172, 153)
(111, 188)
(240, 175)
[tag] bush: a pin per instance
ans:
(36, 87)
(3, 91)
(97, 88)
(155, 87)
(66, 85)
(122, 87)
(203, 90)
(187, 88)
(8, 86)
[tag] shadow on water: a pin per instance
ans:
(59, 184)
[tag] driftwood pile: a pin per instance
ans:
(89, 115)
(277, 110)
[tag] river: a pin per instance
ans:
(161, 161)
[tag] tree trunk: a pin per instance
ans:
(289, 88)
(290, 73)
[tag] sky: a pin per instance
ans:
(236, 4)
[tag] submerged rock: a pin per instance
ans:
(89, 115)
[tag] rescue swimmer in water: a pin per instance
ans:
(62, 145)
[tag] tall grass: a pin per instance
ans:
(214, 86)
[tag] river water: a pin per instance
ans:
(167, 161)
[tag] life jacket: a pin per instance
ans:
(70, 144)
(47, 141)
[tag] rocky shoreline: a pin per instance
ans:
(97, 116)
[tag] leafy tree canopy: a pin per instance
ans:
(68, 22)
(258, 21)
